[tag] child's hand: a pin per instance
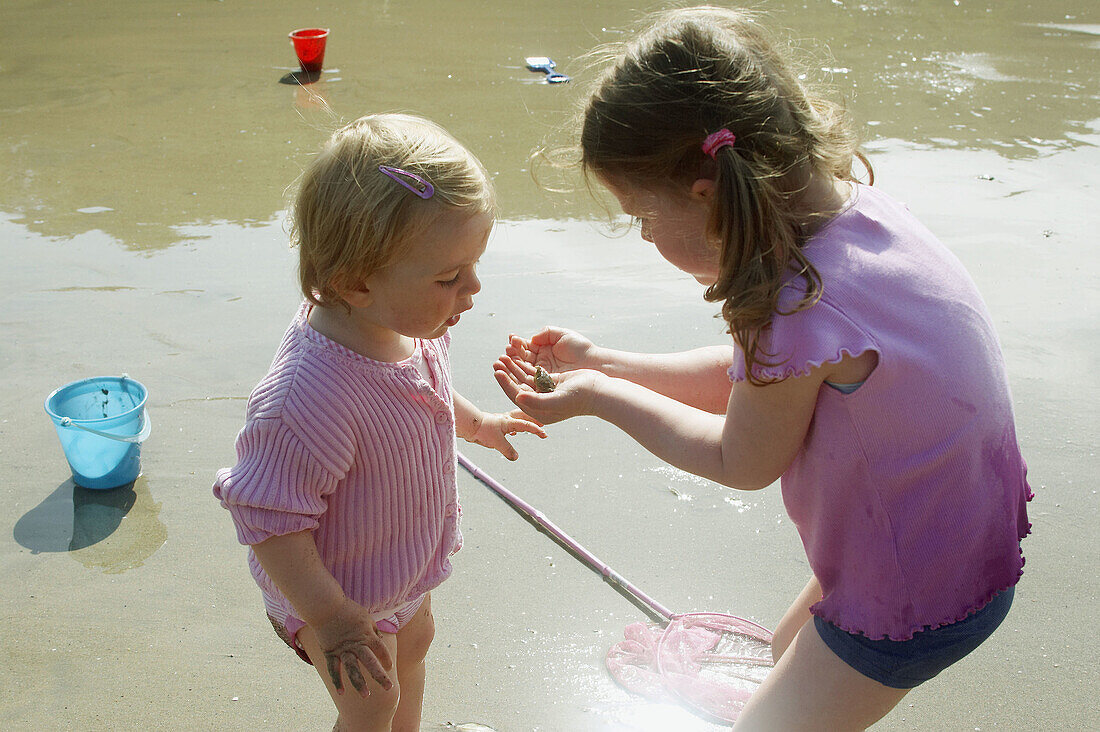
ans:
(349, 641)
(555, 349)
(494, 430)
(572, 395)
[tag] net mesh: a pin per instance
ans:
(709, 662)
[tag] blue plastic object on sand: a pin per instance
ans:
(101, 423)
(546, 65)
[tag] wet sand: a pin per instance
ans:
(134, 609)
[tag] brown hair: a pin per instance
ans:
(350, 220)
(690, 73)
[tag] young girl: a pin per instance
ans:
(345, 482)
(865, 369)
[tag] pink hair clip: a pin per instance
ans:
(715, 141)
(412, 181)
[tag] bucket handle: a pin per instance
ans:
(138, 438)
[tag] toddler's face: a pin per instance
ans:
(423, 294)
(676, 225)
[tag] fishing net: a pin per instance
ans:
(709, 662)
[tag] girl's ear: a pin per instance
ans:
(703, 188)
(357, 295)
(358, 298)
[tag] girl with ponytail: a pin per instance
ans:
(864, 369)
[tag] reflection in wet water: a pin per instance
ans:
(141, 119)
(312, 96)
(976, 76)
(98, 514)
(112, 530)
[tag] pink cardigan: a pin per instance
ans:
(360, 452)
(909, 493)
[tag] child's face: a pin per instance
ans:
(422, 294)
(675, 224)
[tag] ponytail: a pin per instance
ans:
(749, 216)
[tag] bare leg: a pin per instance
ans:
(795, 618)
(810, 688)
(372, 713)
(412, 646)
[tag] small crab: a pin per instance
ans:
(543, 382)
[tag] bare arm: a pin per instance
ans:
(468, 418)
(491, 430)
(747, 448)
(697, 377)
(344, 628)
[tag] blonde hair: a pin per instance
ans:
(350, 220)
(691, 73)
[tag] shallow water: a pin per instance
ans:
(142, 119)
(145, 148)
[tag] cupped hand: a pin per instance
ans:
(572, 395)
(351, 643)
(555, 349)
(494, 430)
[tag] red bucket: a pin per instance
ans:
(309, 45)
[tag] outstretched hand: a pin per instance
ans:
(351, 643)
(555, 349)
(494, 430)
(572, 395)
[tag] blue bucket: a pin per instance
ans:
(101, 423)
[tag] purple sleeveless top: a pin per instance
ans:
(910, 493)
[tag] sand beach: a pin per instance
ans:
(146, 150)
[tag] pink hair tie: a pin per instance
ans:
(715, 141)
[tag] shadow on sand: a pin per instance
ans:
(113, 530)
(300, 77)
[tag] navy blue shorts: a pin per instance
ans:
(905, 664)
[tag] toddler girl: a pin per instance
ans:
(865, 368)
(345, 482)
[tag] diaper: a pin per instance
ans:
(387, 621)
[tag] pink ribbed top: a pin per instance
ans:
(909, 493)
(362, 453)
